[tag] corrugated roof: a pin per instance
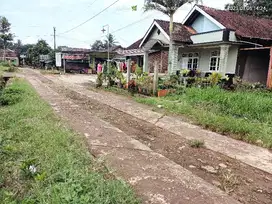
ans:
(244, 25)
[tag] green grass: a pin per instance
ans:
(196, 143)
(245, 116)
(62, 170)
(3, 69)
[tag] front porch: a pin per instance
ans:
(210, 58)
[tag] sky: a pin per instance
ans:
(32, 20)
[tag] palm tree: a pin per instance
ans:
(168, 7)
(111, 39)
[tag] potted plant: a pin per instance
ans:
(162, 91)
(185, 72)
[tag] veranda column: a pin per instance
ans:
(145, 68)
(224, 54)
(174, 59)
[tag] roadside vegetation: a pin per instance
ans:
(243, 114)
(44, 162)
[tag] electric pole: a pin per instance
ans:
(108, 40)
(54, 28)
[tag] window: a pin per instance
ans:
(189, 60)
(215, 61)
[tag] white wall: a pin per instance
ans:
(232, 59)
(207, 37)
(155, 35)
(205, 55)
(203, 24)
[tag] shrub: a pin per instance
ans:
(2, 83)
(215, 77)
(12, 69)
(11, 95)
(99, 80)
(4, 64)
(132, 88)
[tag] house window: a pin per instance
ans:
(215, 61)
(189, 60)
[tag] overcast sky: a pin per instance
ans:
(34, 19)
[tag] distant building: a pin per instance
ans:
(11, 56)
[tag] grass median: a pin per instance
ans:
(244, 115)
(42, 161)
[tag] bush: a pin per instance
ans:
(12, 69)
(99, 80)
(4, 64)
(11, 95)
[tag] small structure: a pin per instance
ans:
(10, 56)
(75, 59)
(115, 54)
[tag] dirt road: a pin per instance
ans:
(160, 165)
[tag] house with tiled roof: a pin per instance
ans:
(213, 40)
(10, 55)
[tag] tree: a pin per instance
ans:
(34, 51)
(259, 8)
(98, 45)
(5, 34)
(111, 39)
(169, 8)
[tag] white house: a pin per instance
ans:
(214, 40)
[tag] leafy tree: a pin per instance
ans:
(5, 34)
(34, 51)
(259, 8)
(169, 8)
(98, 45)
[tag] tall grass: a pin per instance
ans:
(44, 162)
(243, 115)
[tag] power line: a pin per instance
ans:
(90, 18)
(135, 22)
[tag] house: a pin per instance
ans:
(75, 59)
(114, 53)
(213, 40)
(10, 55)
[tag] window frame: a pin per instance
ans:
(194, 55)
(216, 67)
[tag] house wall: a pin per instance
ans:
(253, 65)
(207, 37)
(205, 56)
(203, 24)
(161, 57)
(155, 36)
(232, 59)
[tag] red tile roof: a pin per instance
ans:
(9, 53)
(135, 45)
(181, 32)
(245, 26)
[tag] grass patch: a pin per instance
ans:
(196, 143)
(3, 69)
(243, 115)
(44, 162)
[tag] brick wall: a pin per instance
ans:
(161, 57)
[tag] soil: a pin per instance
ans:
(244, 183)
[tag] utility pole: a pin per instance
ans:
(108, 36)
(54, 28)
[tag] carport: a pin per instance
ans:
(255, 65)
